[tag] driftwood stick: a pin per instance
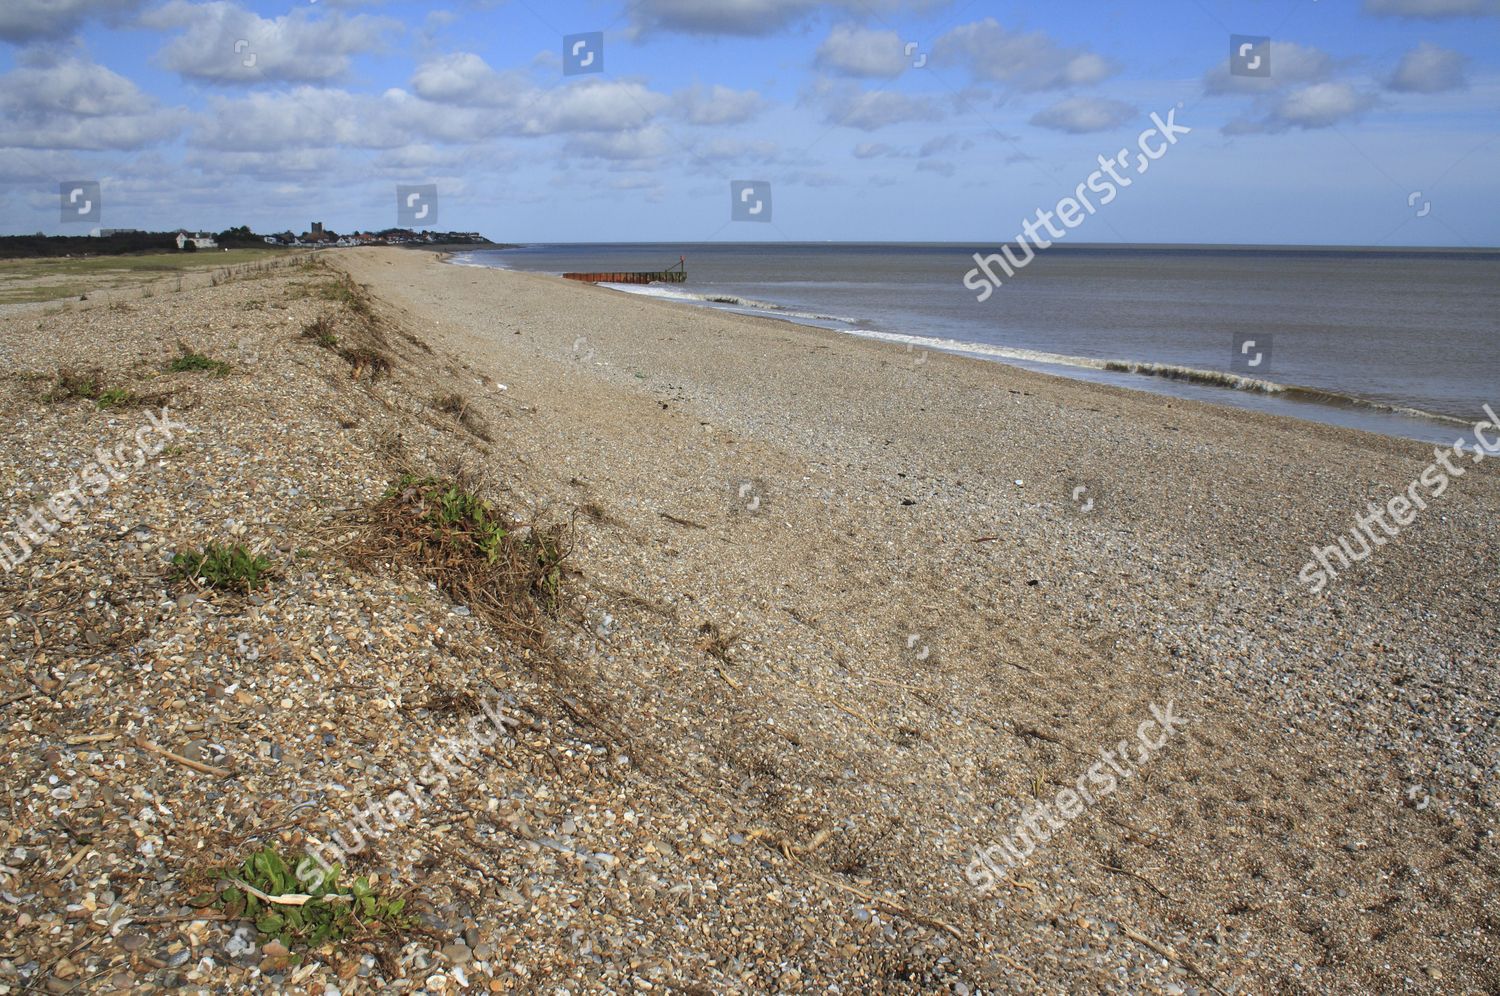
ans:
(1140, 878)
(186, 762)
(1170, 955)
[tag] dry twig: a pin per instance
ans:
(186, 762)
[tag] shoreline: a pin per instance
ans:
(1232, 391)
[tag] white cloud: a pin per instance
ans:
(735, 150)
(273, 166)
(304, 117)
(72, 104)
(1433, 9)
(854, 51)
(221, 42)
(847, 104)
(945, 143)
(1291, 65)
(23, 21)
(1429, 69)
(872, 150)
(728, 17)
(465, 79)
(595, 105)
(34, 166)
(1078, 115)
(717, 105)
(627, 146)
(1024, 61)
(1323, 104)
(1319, 105)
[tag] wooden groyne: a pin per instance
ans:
(674, 275)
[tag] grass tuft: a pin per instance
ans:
(320, 330)
(117, 397)
(189, 361)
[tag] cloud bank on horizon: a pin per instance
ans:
(904, 120)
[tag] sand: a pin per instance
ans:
(839, 615)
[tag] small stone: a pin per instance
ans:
(457, 954)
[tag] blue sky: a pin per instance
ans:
(871, 119)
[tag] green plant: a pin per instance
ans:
(190, 361)
(330, 914)
(115, 397)
(320, 330)
(548, 550)
(231, 568)
(456, 515)
(69, 385)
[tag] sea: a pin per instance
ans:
(1399, 342)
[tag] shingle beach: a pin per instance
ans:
(836, 617)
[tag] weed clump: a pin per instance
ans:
(366, 360)
(116, 397)
(320, 330)
(364, 349)
(189, 361)
(70, 384)
(330, 913)
(510, 573)
(455, 405)
(229, 568)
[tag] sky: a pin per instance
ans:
(1323, 122)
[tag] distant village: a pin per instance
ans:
(315, 237)
(120, 241)
(320, 236)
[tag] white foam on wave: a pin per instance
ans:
(1217, 377)
(1165, 371)
(726, 300)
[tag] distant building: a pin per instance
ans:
(198, 239)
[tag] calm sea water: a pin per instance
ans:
(1405, 344)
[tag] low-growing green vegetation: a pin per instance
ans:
(320, 330)
(188, 361)
(328, 912)
(510, 572)
(455, 514)
(230, 568)
(70, 384)
(116, 397)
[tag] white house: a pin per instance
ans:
(198, 239)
